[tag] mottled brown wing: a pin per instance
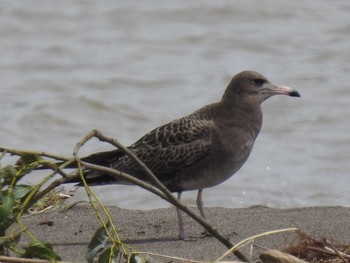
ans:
(169, 148)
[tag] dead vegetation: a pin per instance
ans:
(323, 250)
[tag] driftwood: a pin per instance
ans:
(276, 256)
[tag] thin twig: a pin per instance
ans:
(328, 252)
(339, 253)
(127, 177)
(24, 152)
(252, 238)
(55, 167)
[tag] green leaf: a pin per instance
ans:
(109, 255)
(97, 244)
(9, 241)
(6, 211)
(40, 250)
(28, 159)
(6, 205)
(7, 174)
(20, 191)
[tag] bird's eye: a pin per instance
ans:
(259, 82)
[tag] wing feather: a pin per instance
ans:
(170, 147)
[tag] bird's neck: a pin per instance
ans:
(245, 114)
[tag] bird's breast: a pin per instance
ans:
(224, 161)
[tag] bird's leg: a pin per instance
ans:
(179, 218)
(199, 202)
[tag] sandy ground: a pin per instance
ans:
(156, 230)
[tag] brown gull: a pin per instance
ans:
(202, 149)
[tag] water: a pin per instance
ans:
(125, 67)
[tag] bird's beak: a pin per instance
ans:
(287, 91)
(283, 90)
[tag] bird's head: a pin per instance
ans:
(256, 87)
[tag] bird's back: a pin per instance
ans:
(170, 148)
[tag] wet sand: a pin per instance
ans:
(156, 230)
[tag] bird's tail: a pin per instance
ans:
(94, 177)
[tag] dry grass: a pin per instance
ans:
(53, 200)
(318, 251)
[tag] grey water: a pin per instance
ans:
(125, 67)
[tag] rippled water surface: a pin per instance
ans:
(125, 67)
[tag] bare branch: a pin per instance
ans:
(42, 154)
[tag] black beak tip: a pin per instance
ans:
(294, 93)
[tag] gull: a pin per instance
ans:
(202, 149)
